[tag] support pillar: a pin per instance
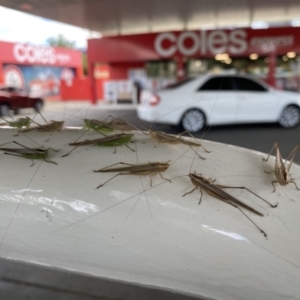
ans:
(180, 69)
(92, 83)
(1, 73)
(272, 69)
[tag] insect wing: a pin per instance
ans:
(97, 125)
(150, 168)
(35, 153)
(116, 140)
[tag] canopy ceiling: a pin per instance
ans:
(111, 17)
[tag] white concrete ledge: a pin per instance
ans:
(53, 215)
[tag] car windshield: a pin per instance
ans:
(179, 83)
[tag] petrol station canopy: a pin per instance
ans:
(174, 35)
(116, 17)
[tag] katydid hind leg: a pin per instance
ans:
(197, 153)
(201, 194)
(194, 139)
(275, 181)
(119, 163)
(70, 151)
(12, 154)
(295, 184)
(269, 172)
(50, 161)
(244, 188)
(41, 116)
(14, 142)
(189, 192)
(105, 135)
(151, 178)
(292, 155)
(102, 184)
(129, 148)
(53, 149)
(263, 232)
(275, 145)
(21, 145)
(111, 179)
(81, 135)
(161, 176)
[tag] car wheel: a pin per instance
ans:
(290, 117)
(4, 109)
(38, 105)
(193, 120)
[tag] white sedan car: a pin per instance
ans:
(219, 99)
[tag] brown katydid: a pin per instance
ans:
(30, 153)
(151, 168)
(216, 191)
(282, 171)
(50, 126)
(164, 138)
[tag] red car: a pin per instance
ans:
(12, 98)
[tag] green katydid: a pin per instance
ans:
(97, 125)
(108, 141)
(19, 123)
(109, 124)
(30, 153)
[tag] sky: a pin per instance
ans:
(36, 30)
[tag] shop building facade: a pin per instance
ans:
(40, 70)
(118, 64)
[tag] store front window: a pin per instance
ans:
(287, 68)
(161, 69)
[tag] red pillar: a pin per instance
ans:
(180, 68)
(79, 72)
(92, 83)
(1, 73)
(272, 69)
